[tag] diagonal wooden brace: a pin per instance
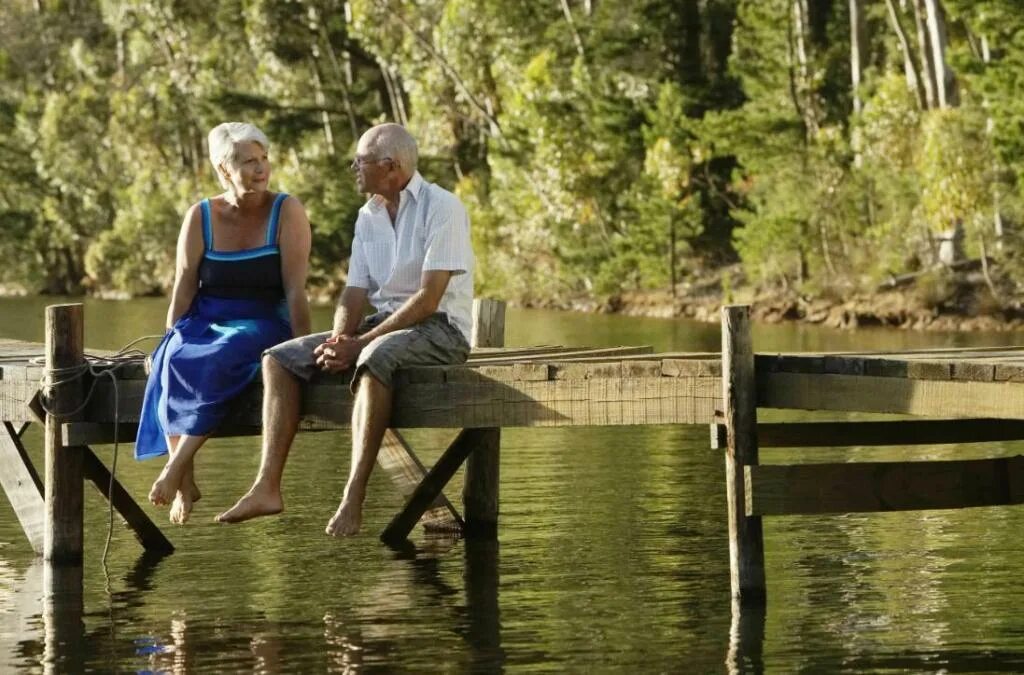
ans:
(407, 472)
(21, 482)
(147, 533)
(431, 485)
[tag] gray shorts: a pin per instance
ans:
(433, 341)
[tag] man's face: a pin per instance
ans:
(371, 170)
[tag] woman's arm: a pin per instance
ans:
(295, 241)
(186, 268)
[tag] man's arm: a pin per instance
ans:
(420, 306)
(349, 311)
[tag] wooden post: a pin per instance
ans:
(739, 397)
(480, 489)
(62, 542)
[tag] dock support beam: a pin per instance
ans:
(480, 490)
(62, 540)
(739, 398)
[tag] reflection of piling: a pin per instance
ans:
(64, 631)
(482, 610)
(746, 639)
(62, 542)
(739, 398)
(480, 490)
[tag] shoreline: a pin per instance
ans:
(896, 309)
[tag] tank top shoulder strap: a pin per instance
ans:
(275, 214)
(204, 207)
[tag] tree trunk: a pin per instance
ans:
(858, 51)
(945, 82)
(804, 89)
(909, 63)
(925, 47)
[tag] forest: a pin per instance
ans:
(822, 146)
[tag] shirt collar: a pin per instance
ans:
(412, 188)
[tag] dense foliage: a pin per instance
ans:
(601, 146)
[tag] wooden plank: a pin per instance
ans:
(775, 490)
(405, 469)
(15, 396)
(62, 543)
(479, 403)
(22, 485)
(431, 485)
(924, 398)
(746, 536)
(899, 432)
(145, 531)
(563, 354)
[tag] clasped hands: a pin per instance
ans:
(338, 352)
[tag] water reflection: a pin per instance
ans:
(63, 628)
(746, 639)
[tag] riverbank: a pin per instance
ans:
(961, 301)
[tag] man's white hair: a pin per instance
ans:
(392, 140)
(223, 140)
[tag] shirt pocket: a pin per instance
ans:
(379, 260)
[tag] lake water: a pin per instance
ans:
(612, 553)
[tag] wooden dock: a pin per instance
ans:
(959, 396)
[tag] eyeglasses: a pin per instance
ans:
(360, 162)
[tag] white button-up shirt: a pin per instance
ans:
(431, 232)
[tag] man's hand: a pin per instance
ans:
(338, 353)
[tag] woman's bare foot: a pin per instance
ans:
(347, 519)
(184, 500)
(258, 501)
(166, 484)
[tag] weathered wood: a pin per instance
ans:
(22, 486)
(145, 531)
(406, 471)
(896, 432)
(15, 396)
(430, 487)
(63, 486)
(746, 537)
(480, 484)
(926, 398)
(774, 490)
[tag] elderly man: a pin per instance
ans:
(411, 258)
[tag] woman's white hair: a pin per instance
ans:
(394, 141)
(223, 140)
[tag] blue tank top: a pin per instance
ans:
(253, 273)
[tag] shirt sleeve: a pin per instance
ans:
(448, 244)
(358, 271)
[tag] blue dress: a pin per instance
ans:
(213, 351)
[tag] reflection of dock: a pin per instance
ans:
(960, 395)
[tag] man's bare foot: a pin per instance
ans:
(257, 502)
(166, 485)
(347, 519)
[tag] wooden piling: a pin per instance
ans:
(62, 541)
(739, 398)
(480, 490)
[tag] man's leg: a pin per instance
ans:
(371, 412)
(281, 391)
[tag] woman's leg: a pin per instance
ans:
(188, 494)
(177, 474)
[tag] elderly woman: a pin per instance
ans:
(239, 288)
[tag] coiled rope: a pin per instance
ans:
(97, 366)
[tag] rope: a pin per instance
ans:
(97, 366)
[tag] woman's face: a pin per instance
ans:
(250, 172)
